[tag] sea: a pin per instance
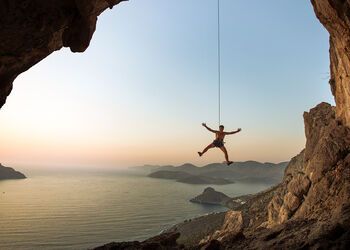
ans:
(84, 209)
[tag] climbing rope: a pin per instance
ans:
(219, 63)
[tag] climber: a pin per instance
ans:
(219, 141)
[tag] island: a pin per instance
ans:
(188, 178)
(220, 174)
(7, 173)
(212, 197)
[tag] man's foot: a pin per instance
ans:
(229, 163)
(200, 154)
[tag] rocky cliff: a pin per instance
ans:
(30, 30)
(335, 16)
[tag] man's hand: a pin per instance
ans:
(204, 124)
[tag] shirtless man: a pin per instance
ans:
(219, 141)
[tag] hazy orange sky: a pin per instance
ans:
(139, 94)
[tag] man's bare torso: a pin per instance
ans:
(220, 135)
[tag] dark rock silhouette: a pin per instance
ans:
(7, 173)
(211, 196)
(194, 230)
(31, 30)
(161, 242)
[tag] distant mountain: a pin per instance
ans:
(9, 173)
(187, 167)
(184, 177)
(248, 171)
(165, 174)
(199, 179)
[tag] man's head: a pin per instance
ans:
(221, 127)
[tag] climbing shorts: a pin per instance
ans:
(218, 143)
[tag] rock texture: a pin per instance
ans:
(194, 230)
(312, 183)
(232, 229)
(30, 30)
(7, 173)
(166, 241)
(335, 16)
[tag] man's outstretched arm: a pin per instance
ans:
(233, 132)
(211, 130)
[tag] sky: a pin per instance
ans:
(140, 92)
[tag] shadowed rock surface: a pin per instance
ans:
(335, 16)
(194, 230)
(161, 242)
(30, 30)
(7, 173)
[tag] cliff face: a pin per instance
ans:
(30, 30)
(335, 16)
(317, 180)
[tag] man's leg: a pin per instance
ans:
(226, 155)
(206, 149)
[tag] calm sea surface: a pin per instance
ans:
(70, 210)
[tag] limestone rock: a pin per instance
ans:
(327, 141)
(232, 228)
(299, 185)
(335, 16)
(30, 30)
(310, 176)
(291, 202)
(274, 209)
